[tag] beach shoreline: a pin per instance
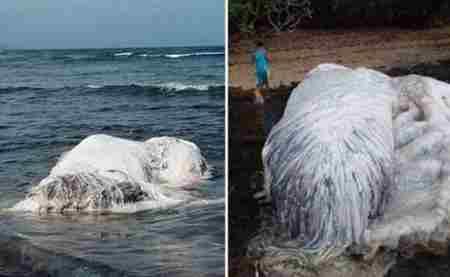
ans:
(295, 53)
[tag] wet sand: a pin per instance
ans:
(249, 125)
(296, 53)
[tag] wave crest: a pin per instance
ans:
(175, 56)
(163, 88)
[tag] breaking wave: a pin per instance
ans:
(155, 88)
(176, 56)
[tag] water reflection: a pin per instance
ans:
(176, 242)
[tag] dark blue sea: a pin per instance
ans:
(51, 99)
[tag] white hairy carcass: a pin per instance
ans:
(109, 173)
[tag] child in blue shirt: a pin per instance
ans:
(262, 61)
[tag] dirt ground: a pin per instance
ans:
(295, 53)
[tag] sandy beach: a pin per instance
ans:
(295, 53)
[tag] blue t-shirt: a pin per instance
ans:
(261, 61)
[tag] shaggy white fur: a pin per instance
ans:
(329, 160)
(361, 158)
(108, 173)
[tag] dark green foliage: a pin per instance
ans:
(243, 14)
(250, 15)
(280, 15)
(348, 13)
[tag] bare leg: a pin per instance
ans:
(259, 99)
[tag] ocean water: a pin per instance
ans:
(51, 99)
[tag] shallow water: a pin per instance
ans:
(51, 99)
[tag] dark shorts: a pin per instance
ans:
(261, 79)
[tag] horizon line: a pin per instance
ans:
(97, 48)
